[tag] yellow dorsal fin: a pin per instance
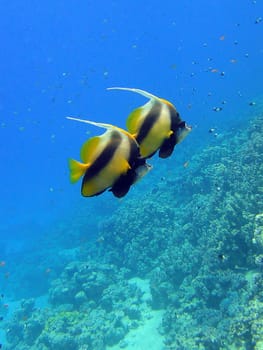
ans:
(168, 103)
(134, 119)
(77, 170)
(138, 91)
(89, 148)
(100, 125)
(143, 93)
(109, 127)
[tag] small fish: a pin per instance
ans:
(1, 318)
(258, 20)
(2, 263)
(186, 164)
(109, 162)
(217, 109)
(252, 103)
(221, 257)
(156, 125)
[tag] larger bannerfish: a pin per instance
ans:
(156, 125)
(109, 161)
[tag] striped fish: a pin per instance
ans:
(110, 161)
(156, 125)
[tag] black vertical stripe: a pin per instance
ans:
(134, 151)
(150, 119)
(105, 157)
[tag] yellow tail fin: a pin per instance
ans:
(77, 170)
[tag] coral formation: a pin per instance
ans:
(196, 235)
(91, 306)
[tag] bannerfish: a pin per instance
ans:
(110, 161)
(156, 125)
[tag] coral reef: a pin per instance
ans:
(198, 244)
(196, 234)
(91, 306)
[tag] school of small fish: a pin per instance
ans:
(117, 159)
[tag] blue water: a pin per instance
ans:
(57, 59)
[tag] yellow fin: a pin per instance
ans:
(89, 148)
(77, 170)
(168, 103)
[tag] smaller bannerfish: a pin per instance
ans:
(156, 125)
